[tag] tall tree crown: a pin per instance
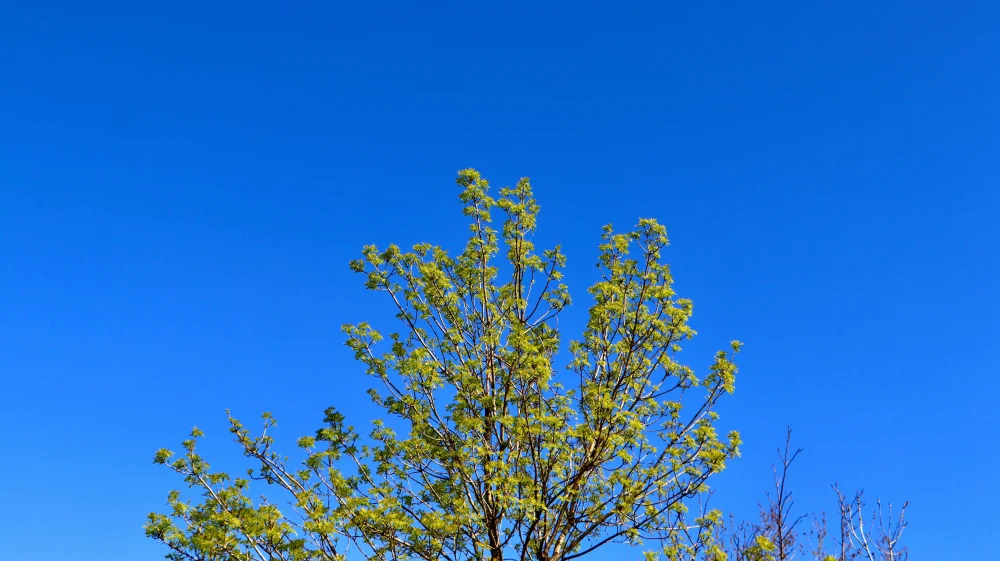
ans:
(489, 449)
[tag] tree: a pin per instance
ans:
(488, 448)
(777, 535)
(881, 540)
(778, 521)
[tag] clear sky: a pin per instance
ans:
(183, 184)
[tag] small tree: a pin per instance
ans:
(881, 540)
(777, 536)
(488, 450)
(778, 522)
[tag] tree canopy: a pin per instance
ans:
(498, 440)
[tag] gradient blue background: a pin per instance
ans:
(182, 185)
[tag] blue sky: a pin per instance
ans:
(181, 188)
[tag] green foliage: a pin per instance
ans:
(761, 550)
(487, 448)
